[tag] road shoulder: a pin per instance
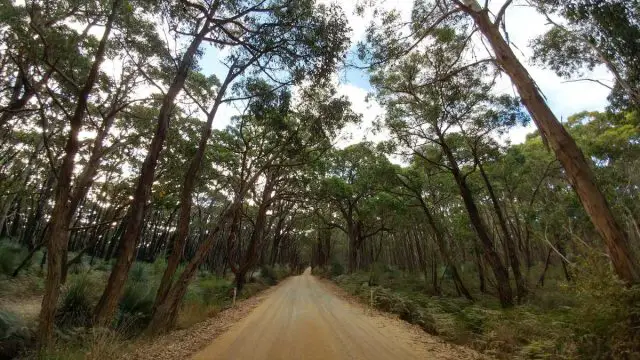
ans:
(429, 345)
(184, 343)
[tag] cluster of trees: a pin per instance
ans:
(443, 118)
(107, 121)
(108, 146)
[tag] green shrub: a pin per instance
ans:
(473, 319)
(76, 305)
(10, 257)
(205, 297)
(281, 271)
(269, 274)
(139, 273)
(408, 310)
(613, 314)
(103, 266)
(376, 274)
(136, 306)
(336, 269)
(213, 290)
(14, 335)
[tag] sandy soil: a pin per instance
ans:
(182, 344)
(305, 319)
(28, 308)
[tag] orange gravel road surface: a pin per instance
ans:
(304, 320)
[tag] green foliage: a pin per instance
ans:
(337, 268)
(269, 274)
(85, 344)
(139, 272)
(376, 272)
(103, 266)
(136, 305)
(282, 271)
(592, 33)
(76, 304)
(11, 255)
(597, 317)
(212, 290)
(14, 335)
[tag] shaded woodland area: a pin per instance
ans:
(123, 207)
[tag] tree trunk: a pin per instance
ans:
(61, 213)
(240, 280)
(444, 249)
(434, 274)
(188, 184)
(258, 231)
(577, 169)
(546, 266)
(17, 103)
(129, 241)
(27, 260)
(501, 274)
(34, 220)
(166, 313)
(567, 275)
(277, 236)
(521, 287)
(354, 244)
(481, 279)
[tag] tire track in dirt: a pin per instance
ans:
(304, 319)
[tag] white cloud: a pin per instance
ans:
(359, 23)
(523, 24)
(370, 111)
(223, 117)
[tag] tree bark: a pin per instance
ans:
(354, 246)
(501, 274)
(577, 169)
(188, 184)
(34, 220)
(57, 239)
(567, 275)
(546, 266)
(521, 287)
(129, 241)
(166, 313)
(444, 249)
(257, 234)
(481, 279)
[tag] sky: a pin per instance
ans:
(522, 23)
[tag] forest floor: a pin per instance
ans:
(27, 308)
(307, 318)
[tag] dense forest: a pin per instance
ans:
(122, 202)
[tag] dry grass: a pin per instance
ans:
(103, 344)
(195, 312)
(183, 343)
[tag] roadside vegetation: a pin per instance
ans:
(592, 317)
(20, 300)
(132, 202)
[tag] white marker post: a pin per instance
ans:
(235, 292)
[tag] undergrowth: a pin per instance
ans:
(595, 317)
(206, 296)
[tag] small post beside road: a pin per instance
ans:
(235, 292)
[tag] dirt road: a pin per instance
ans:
(304, 319)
